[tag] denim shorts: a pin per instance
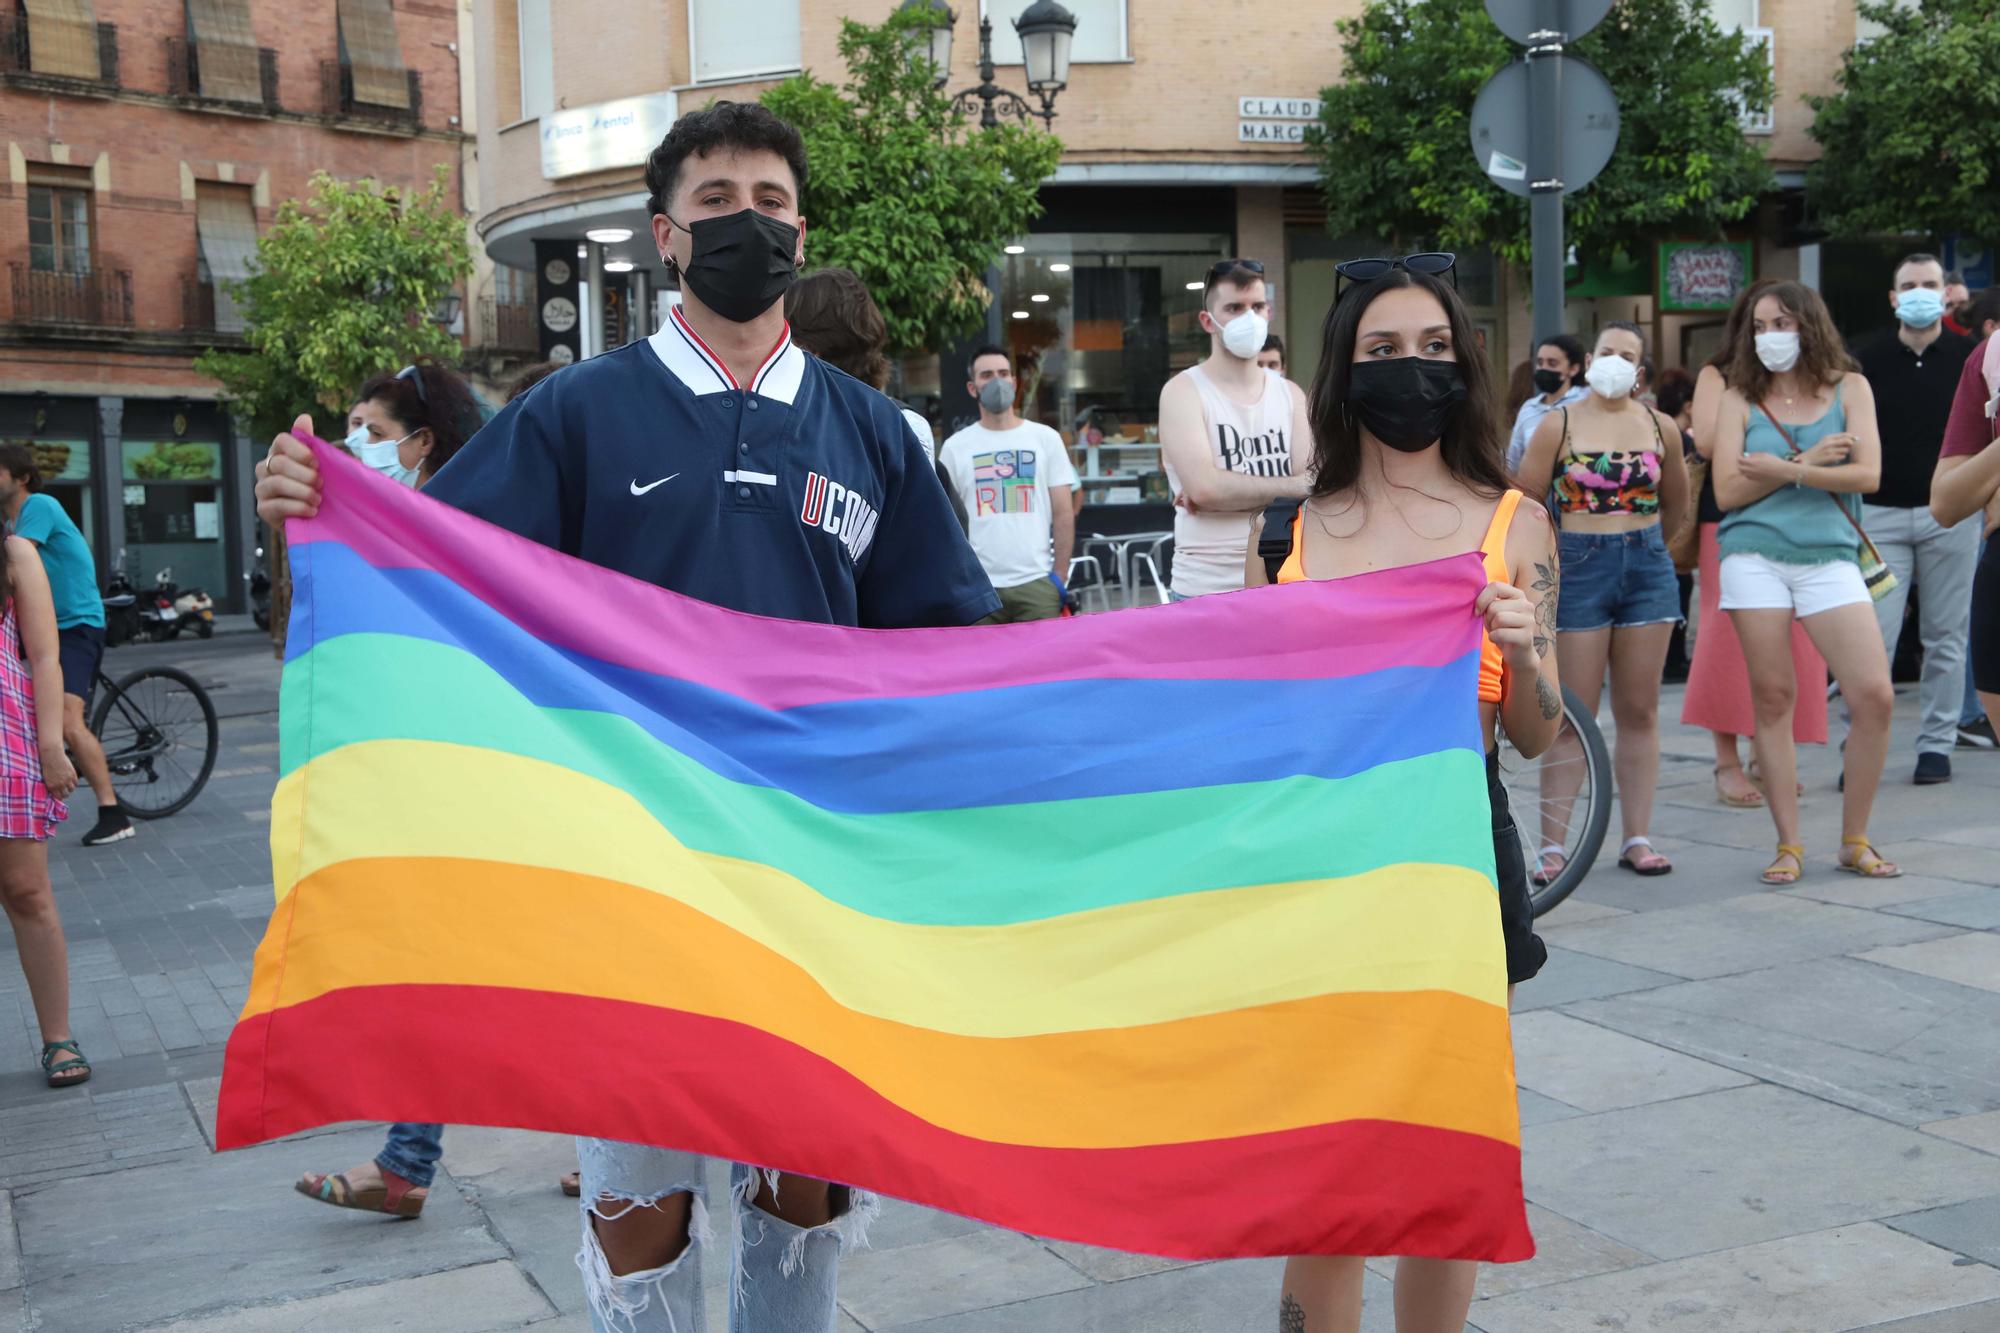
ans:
(1620, 579)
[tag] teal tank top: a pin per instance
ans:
(1793, 525)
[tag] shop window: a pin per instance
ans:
(738, 39)
(226, 224)
(65, 469)
(1097, 323)
(1100, 31)
(59, 204)
(227, 65)
(173, 512)
(538, 61)
(372, 52)
(62, 38)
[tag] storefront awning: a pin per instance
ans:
(226, 224)
(62, 38)
(225, 50)
(369, 45)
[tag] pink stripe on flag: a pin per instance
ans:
(1251, 635)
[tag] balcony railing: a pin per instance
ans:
(205, 310)
(17, 57)
(184, 62)
(102, 299)
(338, 101)
(507, 326)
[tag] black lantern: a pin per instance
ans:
(1046, 29)
(938, 47)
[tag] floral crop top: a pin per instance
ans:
(1611, 481)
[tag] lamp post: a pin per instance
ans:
(1046, 30)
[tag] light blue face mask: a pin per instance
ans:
(382, 455)
(1919, 307)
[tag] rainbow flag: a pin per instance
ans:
(1172, 930)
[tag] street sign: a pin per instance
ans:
(1574, 18)
(1501, 134)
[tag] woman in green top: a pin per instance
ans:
(1796, 448)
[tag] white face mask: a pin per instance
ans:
(1245, 335)
(1611, 376)
(1778, 351)
(382, 455)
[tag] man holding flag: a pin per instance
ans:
(717, 460)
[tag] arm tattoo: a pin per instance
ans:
(1548, 698)
(1548, 584)
(1291, 1316)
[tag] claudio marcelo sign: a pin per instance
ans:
(605, 136)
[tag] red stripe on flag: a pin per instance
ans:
(495, 1056)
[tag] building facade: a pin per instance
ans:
(1182, 126)
(148, 143)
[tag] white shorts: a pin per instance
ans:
(1755, 583)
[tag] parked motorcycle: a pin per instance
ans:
(196, 608)
(170, 608)
(121, 607)
(260, 592)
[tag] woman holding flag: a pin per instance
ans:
(1408, 468)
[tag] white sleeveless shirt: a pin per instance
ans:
(1255, 441)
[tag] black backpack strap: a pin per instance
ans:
(1274, 543)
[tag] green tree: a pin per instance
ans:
(1910, 142)
(342, 288)
(1394, 138)
(902, 191)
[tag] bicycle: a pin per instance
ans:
(1546, 813)
(149, 724)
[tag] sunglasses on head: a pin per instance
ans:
(1437, 263)
(411, 374)
(1224, 267)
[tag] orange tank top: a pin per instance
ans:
(1493, 548)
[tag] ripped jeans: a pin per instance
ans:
(782, 1277)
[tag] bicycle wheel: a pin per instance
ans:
(160, 739)
(1561, 799)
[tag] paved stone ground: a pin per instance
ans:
(1746, 1111)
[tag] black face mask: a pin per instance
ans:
(1548, 381)
(1404, 401)
(741, 263)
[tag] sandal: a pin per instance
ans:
(1777, 873)
(1751, 800)
(1649, 863)
(1866, 862)
(1545, 874)
(63, 1073)
(394, 1196)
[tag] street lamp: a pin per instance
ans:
(939, 45)
(1046, 30)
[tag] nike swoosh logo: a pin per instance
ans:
(637, 489)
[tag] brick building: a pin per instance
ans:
(148, 142)
(1181, 125)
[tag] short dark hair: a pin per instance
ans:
(987, 349)
(1984, 305)
(1570, 346)
(1275, 344)
(1236, 273)
(833, 317)
(1917, 257)
(739, 125)
(530, 376)
(1674, 391)
(18, 461)
(443, 404)
(1952, 275)
(1626, 326)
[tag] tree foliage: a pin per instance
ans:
(342, 287)
(1394, 138)
(904, 192)
(1911, 142)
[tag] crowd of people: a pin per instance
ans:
(1809, 492)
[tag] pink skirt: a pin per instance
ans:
(1718, 686)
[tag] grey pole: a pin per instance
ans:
(1545, 208)
(592, 315)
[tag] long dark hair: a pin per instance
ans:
(1472, 440)
(1823, 357)
(444, 406)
